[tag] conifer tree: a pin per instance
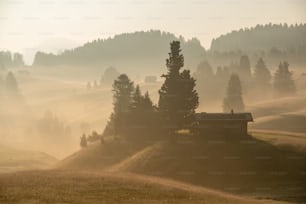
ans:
(244, 69)
(283, 82)
(178, 99)
(233, 100)
(262, 75)
(262, 78)
(122, 98)
(83, 142)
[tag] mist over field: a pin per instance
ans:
(205, 107)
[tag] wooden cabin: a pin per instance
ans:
(223, 123)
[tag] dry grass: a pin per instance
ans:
(91, 187)
(16, 160)
(250, 167)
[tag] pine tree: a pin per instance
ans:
(83, 142)
(244, 69)
(177, 97)
(283, 82)
(262, 75)
(262, 78)
(137, 99)
(122, 98)
(233, 100)
(147, 102)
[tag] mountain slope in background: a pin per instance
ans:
(263, 38)
(150, 45)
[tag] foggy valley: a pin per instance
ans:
(151, 116)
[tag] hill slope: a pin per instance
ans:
(263, 38)
(134, 49)
(16, 160)
(287, 114)
(249, 166)
(93, 187)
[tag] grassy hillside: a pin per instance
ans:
(251, 166)
(16, 160)
(286, 114)
(98, 157)
(93, 187)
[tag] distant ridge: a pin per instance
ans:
(281, 37)
(153, 44)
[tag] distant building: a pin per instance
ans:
(223, 123)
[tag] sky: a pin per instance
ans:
(53, 25)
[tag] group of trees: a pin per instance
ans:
(255, 84)
(90, 138)
(134, 113)
(126, 47)
(109, 75)
(271, 38)
(9, 60)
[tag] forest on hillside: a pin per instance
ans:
(128, 46)
(267, 38)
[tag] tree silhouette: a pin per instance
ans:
(283, 82)
(140, 116)
(122, 99)
(233, 100)
(178, 99)
(83, 142)
(109, 75)
(262, 77)
(244, 69)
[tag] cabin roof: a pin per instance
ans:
(224, 117)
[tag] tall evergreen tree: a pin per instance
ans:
(262, 78)
(244, 69)
(233, 100)
(262, 75)
(147, 102)
(137, 99)
(177, 97)
(283, 82)
(122, 98)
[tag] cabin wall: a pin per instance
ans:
(222, 128)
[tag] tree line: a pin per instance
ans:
(268, 38)
(10, 60)
(255, 84)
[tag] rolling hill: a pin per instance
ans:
(286, 114)
(94, 187)
(16, 160)
(251, 167)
